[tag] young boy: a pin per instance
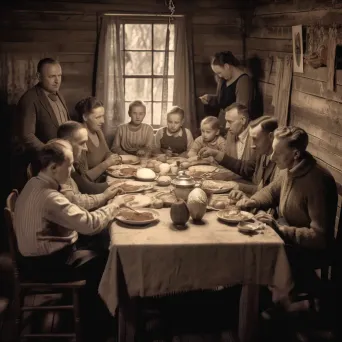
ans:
(174, 138)
(134, 137)
(210, 130)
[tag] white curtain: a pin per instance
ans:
(109, 80)
(184, 87)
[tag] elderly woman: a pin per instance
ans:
(98, 157)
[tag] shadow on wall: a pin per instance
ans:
(256, 71)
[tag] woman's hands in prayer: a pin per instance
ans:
(204, 99)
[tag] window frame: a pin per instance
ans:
(151, 20)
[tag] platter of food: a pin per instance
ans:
(134, 186)
(168, 198)
(138, 217)
(129, 159)
(199, 171)
(217, 186)
(234, 215)
(123, 171)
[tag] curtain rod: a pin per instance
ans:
(143, 15)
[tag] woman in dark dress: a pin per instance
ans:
(233, 85)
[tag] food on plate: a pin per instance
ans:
(164, 180)
(127, 171)
(196, 174)
(162, 158)
(235, 214)
(164, 168)
(157, 203)
(137, 216)
(130, 187)
(145, 173)
(150, 165)
(219, 204)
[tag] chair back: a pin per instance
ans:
(9, 214)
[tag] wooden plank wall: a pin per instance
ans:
(67, 31)
(313, 108)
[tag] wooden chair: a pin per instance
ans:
(23, 288)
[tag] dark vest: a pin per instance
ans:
(176, 144)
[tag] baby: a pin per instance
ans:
(134, 137)
(210, 137)
(173, 139)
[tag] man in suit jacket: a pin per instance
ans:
(238, 139)
(42, 109)
(260, 169)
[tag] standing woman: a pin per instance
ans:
(233, 86)
(98, 158)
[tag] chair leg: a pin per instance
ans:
(76, 311)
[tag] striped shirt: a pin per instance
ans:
(127, 141)
(198, 144)
(89, 202)
(43, 211)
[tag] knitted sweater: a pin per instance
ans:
(307, 199)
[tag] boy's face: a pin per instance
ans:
(174, 122)
(137, 115)
(208, 133)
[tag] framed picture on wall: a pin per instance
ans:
(297, 46)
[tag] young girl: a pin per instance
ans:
(174, 138)
(98, 157)
(210, 130)
(134, 137)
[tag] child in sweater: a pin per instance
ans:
(135, 137)
(174, 138)
(210, 137)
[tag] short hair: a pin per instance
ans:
(212, 121)
(297, 138)
(67, 129)
(176, 110)
(53, 152)
(224, 57)
(136, 103)
(268, 123)
(44, 62)
(241, 109)
(86, 106)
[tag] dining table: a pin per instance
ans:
(158, 260)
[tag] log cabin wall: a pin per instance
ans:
(312, 106)
(66, 30)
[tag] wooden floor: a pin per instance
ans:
(300, 322)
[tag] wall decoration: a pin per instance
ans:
(297, 45)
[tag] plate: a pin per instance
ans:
(134, 201)
(132, 187)
(130, 159)
(118, 171)
(231, 216)
(251, 227)
(218, 187)
(137, 222)
(198, 171)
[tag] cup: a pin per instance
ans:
(174, 169)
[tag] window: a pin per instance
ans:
(144, 52)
